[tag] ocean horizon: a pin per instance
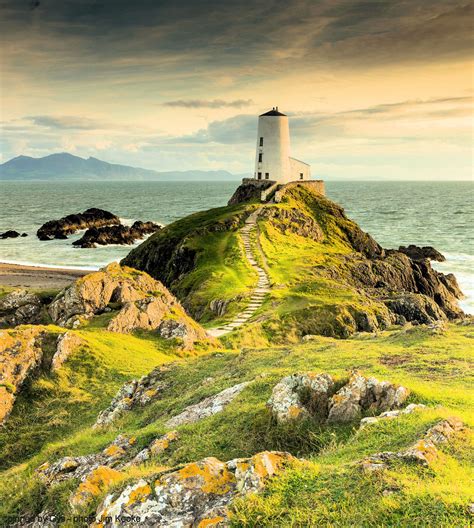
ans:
(396, 213)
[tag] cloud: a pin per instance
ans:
(212, 103)
(67, 122)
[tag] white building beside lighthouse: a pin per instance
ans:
(272, 160)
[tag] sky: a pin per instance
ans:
(375, 89)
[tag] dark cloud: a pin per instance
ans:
(212, 103)
(103, 36)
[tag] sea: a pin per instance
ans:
(438, 214)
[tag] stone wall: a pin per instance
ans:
(314, 185)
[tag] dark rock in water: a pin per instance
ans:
(250, 190)
(24, 235)
(116, 234)
(71, 223)
(421, 253)
(10, 234)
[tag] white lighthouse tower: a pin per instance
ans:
(272, 159)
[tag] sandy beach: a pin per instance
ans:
(44, 278)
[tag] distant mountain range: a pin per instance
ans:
(65, 166)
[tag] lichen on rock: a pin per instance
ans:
(206, 407)
(424, 451)
(312, 396)
(196, 494)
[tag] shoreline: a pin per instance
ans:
(14, 275)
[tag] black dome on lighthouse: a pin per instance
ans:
(273, 112)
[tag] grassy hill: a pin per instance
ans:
(330, 309)
(55, 414)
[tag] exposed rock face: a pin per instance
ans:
(206, 407)
(250, 190)
(135, 393)
(423, 452)
(66, 344)
(12, 234)
(198, 494)
(116, 234)
(145, 303)
(310, 395)
(71, 223)
(421, 253)
(20, 307)
(417, 308)
(20, 355)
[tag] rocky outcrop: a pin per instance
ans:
(422, 452)
(313, 396)
(12, 234)
(20, 307)
(196, 494)
(207, 407)
(363, 394)
(388, 286)
(134, 393)
(301, 396)
(249, 191)
(116, 234)
(71, 223)
(143, 302)
(20, 355)
(421, 253)
(66, 344)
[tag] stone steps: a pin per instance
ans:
(263, 284)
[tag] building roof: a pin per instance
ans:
(273, 112)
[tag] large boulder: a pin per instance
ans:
(69, 224)
(142, 302)
(20, 355)
(197, 494)
(421, 253)
(20, 307)
(313, 396)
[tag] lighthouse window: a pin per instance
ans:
(260, 157)
(267, 175)
(301, 175)
(259, 175)
(261, 141)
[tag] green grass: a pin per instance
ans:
(327, 490)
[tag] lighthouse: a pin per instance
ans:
(272, 159)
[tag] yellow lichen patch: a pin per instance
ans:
(160, 444)
(211, 475)
(114, 451)
(267, 463)
(242, 466)
(139, 494)
(96, 482)
(206, 523)
(427, 449)
(294, 412)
